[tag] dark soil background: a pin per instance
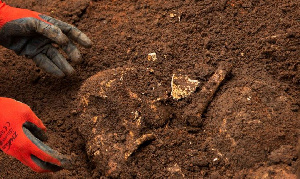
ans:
(251, 127)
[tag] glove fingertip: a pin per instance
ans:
(43, 127)
(46, 64)
(38, 122)
(86, 42)
(73, 52)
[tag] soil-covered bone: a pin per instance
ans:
(113, 130)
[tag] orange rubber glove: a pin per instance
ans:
(21, 132)
(32, 34)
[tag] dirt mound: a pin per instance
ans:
(249, 125)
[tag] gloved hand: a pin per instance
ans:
(21, 132)
(31, 34)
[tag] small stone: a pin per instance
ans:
(152, 57)
(200, 161)
(172, 15)
(174, 168)
(95, 119)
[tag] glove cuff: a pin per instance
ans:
(8, 14)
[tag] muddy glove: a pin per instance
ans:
(32, 34)
(21, 132)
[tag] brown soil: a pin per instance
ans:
(249, 130)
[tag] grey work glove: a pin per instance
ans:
(32, 34)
